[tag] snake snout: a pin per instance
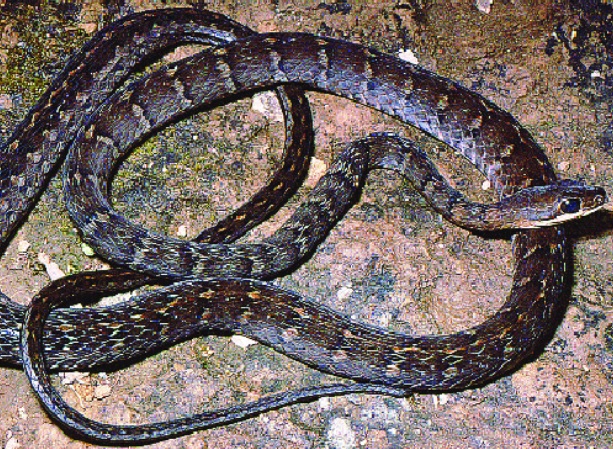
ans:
(595, 198)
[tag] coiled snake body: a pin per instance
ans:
(99, 68)
(379, 360)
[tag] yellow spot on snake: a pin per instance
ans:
(254, 295)
(392, 370)
(407, 349)
(173, 303)
(348, 334)
(208, 294)
(299, 310)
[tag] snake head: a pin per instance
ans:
(558, 203)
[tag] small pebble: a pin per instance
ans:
(22, 413)
(344, 293)
(102, 391)
(242, 342)
(23, 246)
(268, 104)
(443, 398)
(408, 56)
(485, 6)
(340, 435)
(6, 102)
(72, 377)
(440, 399)
(316, 171)
(87, 250)
(53, 270)
(324, 403)
(12, 443)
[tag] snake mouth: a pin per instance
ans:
(570, 216)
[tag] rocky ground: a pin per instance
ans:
(390, 262)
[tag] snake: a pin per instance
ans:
(378, 360)
(302, 329)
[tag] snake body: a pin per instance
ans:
(476, 128)
(382, 361)
(39, 143)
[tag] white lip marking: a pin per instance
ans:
(567, 217)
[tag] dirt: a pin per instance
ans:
(390, 262)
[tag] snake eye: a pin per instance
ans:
(570, 206)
